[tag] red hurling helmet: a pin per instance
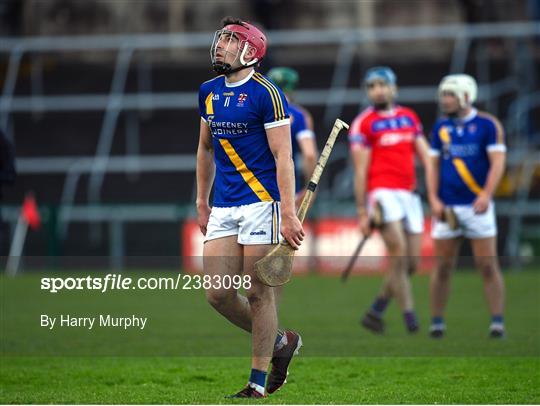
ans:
(248, 36)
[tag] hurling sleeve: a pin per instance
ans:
(358, 134)
(436, 144)
(302, 129)
(273, 104)
(495, 135)
(205, 102)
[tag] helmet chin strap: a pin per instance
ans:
(225, 68)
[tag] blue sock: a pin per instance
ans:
(258, 377)
(437, 320)
(379, 305)
(410, 318)
(497, 318)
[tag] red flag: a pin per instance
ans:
(30, 212)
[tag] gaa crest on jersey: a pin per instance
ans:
(242, 97)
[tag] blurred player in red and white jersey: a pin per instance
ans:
(384, 140)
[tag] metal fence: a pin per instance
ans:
(333, 98)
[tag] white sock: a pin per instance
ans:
(281, 343)
(258, 388)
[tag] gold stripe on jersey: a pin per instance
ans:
(272, 97)
(276, 93)
(279, 111)
(466, 176)
(461, 167)
(498, 126)
(244, 171)
(444, 135)
(209, 104)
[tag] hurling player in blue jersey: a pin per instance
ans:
(245, 152)
(304, 143)
(468, 154)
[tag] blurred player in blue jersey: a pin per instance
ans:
(245, 152)
(468, 154)
(304, 143)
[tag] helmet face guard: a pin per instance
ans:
(248, 37)
(463, 86)
(226, 37)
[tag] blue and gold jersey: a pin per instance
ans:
(463, 146)
(238, 115)
(299, 130)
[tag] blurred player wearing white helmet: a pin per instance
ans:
(384, 140)
(245, 151)
(468, 155)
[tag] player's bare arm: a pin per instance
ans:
(497, 161)
(205, 175)
(432, 184)
(361, 157)
(308, 146)
(279, 140)
(309, 119)
(431, 170)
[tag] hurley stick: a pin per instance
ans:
(275, 268)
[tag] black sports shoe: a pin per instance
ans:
(281, 360)
(496, 330)
(413, 328)
(373, 322)
(247, 392)
(437, 330)
(411, 323)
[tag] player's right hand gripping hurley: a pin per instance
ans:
(275, 268)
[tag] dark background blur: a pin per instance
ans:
(61, 108)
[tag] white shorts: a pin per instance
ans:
(256, 223)
(471, 225)
(399, 205)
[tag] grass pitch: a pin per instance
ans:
(189, 354)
